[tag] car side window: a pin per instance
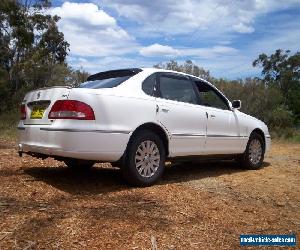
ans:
(177, 89)
(148, 84)
(210, 97)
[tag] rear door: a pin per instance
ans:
(179, 112)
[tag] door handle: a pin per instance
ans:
(163, 109)
(212, 116)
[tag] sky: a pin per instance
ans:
(222, 36)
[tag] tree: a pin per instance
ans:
(188, 67)
(257, 99)
(31, 45)
(282, 70)
(77, 77)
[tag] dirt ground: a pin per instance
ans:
(43, 204)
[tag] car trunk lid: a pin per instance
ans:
(39, 102)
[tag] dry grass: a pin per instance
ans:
(8, 125)
(197, 206)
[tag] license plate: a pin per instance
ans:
(37, 112)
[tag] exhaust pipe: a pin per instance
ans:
(20, 150)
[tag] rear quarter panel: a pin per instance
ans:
(114, 112)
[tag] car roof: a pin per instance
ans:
(149, 70)
(154, 70)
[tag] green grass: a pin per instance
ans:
(8, 124)
(295, 138)
(285, 135)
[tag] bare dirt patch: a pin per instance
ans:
(43, 204)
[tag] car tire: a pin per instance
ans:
(145, 159)
(78, 164)
(253, 156)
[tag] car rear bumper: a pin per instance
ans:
(98, 145)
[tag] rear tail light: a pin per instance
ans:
(23, 111)
(70, 109)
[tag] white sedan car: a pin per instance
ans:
(136, 119)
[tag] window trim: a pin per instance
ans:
(218, 93)
(157, 93)
(175, 76)
(154, 90)
(105, 75)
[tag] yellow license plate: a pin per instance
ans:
(37, 113)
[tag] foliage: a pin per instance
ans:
(77, 76)
(295, 138)
(257, 99)
(188, 67)
(282, 70)
(31, 48)
(8, 124)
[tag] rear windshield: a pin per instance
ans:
(108, 79)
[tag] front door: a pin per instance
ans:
(223, 131)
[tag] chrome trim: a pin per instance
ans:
(201, 135)
(231, 136)
(41, 102)
(86, 130)
(268, 136)
(189, 135)
(35, 124)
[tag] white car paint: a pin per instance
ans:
(190, 129)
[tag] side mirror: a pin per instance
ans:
(236, 104)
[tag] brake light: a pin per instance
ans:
(23, 111)
(71, 109)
